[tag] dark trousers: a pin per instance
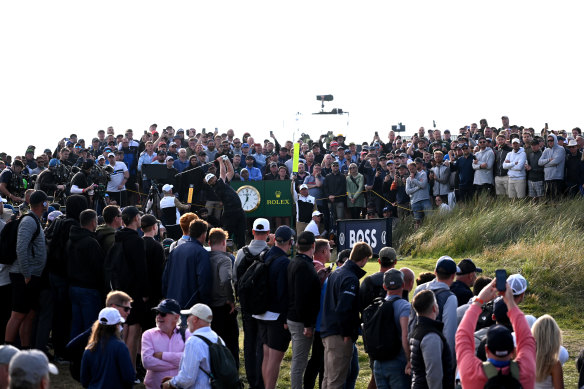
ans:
(61, 329)
(235, 224)
(253, 352)
(554, 189)
(315, 365)
(225, 325)
(465, 194)
(485, 188)
(5, 308)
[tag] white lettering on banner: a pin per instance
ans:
(367, 236)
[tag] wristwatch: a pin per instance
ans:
(476, 299)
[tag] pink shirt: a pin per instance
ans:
(470, 367)
(172, 348)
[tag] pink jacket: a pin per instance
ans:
(470, 367)
(172, 348)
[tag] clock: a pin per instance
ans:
(250, 197)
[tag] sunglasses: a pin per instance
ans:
(126, 309)
(161, 314)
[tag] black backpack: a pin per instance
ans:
(486, 317)
(56, 236)
(117, 271)
(245, 263)
(497, 380)
(224, 373)
(381, 335)
(254, 286)
(8, 239)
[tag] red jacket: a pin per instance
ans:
(470, 367)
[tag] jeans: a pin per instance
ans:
(300, 349)
(85, 306)
(253, 352)
(391, 374)
(419, 208)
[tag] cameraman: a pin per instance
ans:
(82, 183)
(48, 180)
(11, 186)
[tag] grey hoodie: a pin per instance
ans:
(553, 160)
(483, 176)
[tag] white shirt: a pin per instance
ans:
(117, 177)
(196, 354)
(312, 227)
(168, 202)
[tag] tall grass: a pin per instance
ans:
(543, 241)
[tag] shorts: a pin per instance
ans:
(139, 312)
(536, 188)
(25, 297)
(419, 207)
(274, 335)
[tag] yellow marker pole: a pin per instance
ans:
(296, 157)
(190, 197)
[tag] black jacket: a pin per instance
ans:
(335, 185)
(86, 258)
(340, 313)
(303, 291)
(278, 282)
(135, 255)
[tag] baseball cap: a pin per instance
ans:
(147, 221)
(101, 157)
(167, 187)
(110, 316)
(388, 252)
(303, 186)
(518, 283)
(446, 265)
(47, 151)
(111, 155)
(169, 158)
(334, 143)
(403, 165)
(53, 215)
(284, 234)
(54, 162)
(168, 306)
(31, 366)
(316, 213)
(245, 145)
(208, 177)
(500, 340)
(261, 225)
(3, 200)
(467, 266)
(500, 311)
(201, 311)
(335, 163)
(515, 140)
(393, 279)
(6, 353)
(131, 211)
(306, 238)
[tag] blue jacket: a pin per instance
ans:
(187, 277)
(108, 366)
(278, 282)
(340, 313)
(465, 171)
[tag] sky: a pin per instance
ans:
(77, 67)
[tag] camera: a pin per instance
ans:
(225, 157)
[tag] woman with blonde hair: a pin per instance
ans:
(548, 338)
(106, 361)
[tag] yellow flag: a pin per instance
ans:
(296, 157)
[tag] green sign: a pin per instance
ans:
(275, 197)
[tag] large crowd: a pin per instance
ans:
(98, 279)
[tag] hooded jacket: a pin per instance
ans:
(86, 259)
(483, 176)
(516, 165)
(553, 160)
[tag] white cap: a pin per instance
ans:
(169, 158)
(167, 188)
(53, 215)
(518, 283)
(572, 142)
(261, 225)
(101, 157)
(111, 155)
(201, 311)
(208, 177)
(303, 186)
(110, 317)
(316, 213)
(515, 140)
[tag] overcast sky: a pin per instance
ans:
(76, 66)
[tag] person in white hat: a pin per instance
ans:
(315, 223)
(305, 204)
(196, 355)
(116, 186)
(106, 360)
(171, 207)
(573, 159)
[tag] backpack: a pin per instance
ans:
(224, 373)
(8, 239)
(381, 335)
(497, 380)
(245, 263)
(117, 271)
(56, 236)
(253, 286)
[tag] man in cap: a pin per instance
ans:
(303, 306)
(170, 206)
(116, 186)
(503, 356)
(163, 346)
(25, 273)
(483, 162)
(392, 372)
(81, 182)
(305, 205)
(30, 369)
(273, 334)
(515, 165)
(465, 279)
(315, 223)
(6, 354)
(11, 186)
(252, 347)
(372, 286)
(47, 180)
(335, 188)
(255, 174)
(195, 360)
(445, 271)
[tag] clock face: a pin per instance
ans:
(250, 198)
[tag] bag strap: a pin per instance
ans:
(36, 233)
(208, 343)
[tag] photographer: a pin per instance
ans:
(48, 181)
(11, 186)
(82, 183)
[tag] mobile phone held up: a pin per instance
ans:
(501, 279)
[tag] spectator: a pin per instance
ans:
(464, 168)
(10, 183)
(335, 188)
(431, 358)
(255, 174)
(499, 347)
(154, 263)
(465, 279)
(483, 163)
(515, 165)
(305, 205)
(105, 233)
(501, 179)
(573, 159)
(355, 197)
(116, 187)
(553, 160)
(184, 223)
(548, 340)
(372, 286)
(340, 318)
(163, 346)
(441, 174)
(6, 354)
(417, 189)
(30, 369)
(409, 278)
(106, 361)
(535, 172)
(303, 306)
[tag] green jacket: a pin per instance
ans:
(355, 191)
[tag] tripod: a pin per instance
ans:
(153, 200)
